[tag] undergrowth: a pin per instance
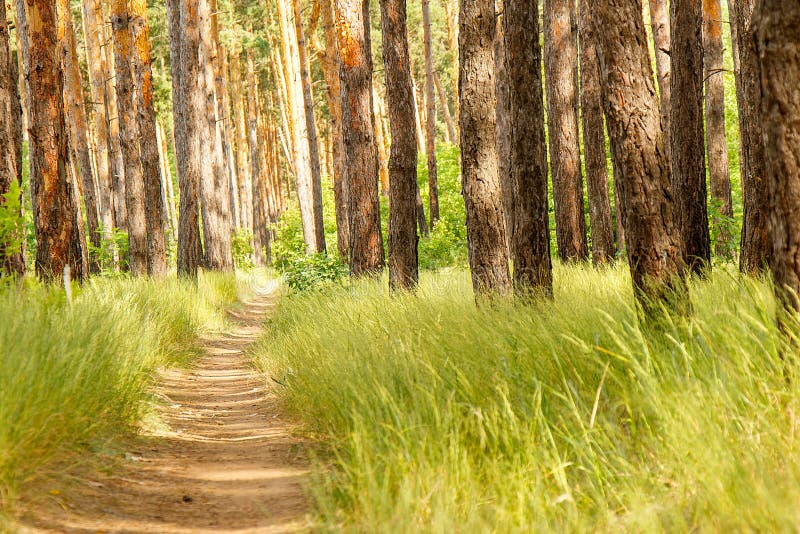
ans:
(434, 414)
(74, 376)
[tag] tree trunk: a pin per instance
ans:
(330, 67)
(245, 182)
(129, 135)
(96, 61)
(55, 212)
(530, 234)
(715, 124)
(503, 116)
(380, 142)
(451, 12)
(430, 115)
(315, 185)
(777, 25)
(403, 238)
(756, 241)
(366, 241)
(214, 181)
(255, 156)
(74, 103)
(561, 69)
(167, 193)
(687, 141)
(448, 118)
(634, 125)
(118, 160)
(659, 20)
(594, 144)
(486, 227)
(148, 139)
(10, 251)
(188, 110)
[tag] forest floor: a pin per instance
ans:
(222, 458)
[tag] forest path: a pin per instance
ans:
(224, 459)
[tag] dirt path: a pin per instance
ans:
(226, 460)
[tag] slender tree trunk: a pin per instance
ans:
(778, 41)
(756, 241)
(687, 141)
(561, 69)
(115, 136)
(188, 111)
(448, 118)
(486, 227)
(255, 156)
(55, 212)
(148, 139)
(74, 104)
(659, 20)
(96, 61)
(315, 185)
(129, 134)
(366, 241)
(245, 181)
(430, 114)
(503, 132)
(418, 120)
(167, 193)
(451, 11)
(9, 158)
(403, 238)
(594, 144)
(380, 142)
(637, 139)
(718, 171)
(530, 233)
(330, 67)
(214, 181)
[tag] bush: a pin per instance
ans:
(317, 271)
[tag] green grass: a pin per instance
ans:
(434, 414)
(74, 377)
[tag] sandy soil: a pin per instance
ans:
(225, 460)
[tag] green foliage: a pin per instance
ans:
(434, 414)
(74, 377)
(242, 246)
(314, 272)
(114, 246)
(12, 222)
(723, 230)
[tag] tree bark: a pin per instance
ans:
(530, 234)
(716, 141)
(214, 181)
(167, 194)
(451, 11)
(403, 238)
(315, 184)
(148, 140)
(486, 227)
(430, 125)
(55, 212)
(561, 69)
(96, 61)
(634, 125)
(659, 20)
(366, 241)
(380, 142)
(129, 135)
(245, 182)
(183, 44)
(777, 24)
(330, 67)
(756, 247)
(687, 141)
(10, 251)
(594, 144)
(503, 128)
(74, 103)
(255, 157)
(118, 160)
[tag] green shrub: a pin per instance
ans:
(242, 247)
(316, 271)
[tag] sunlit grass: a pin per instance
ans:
(73, 376)
(434, 414)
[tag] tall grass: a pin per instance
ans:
(434, 414)
(73, 376)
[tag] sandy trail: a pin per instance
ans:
(227, 461)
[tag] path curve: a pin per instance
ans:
(225, 461)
